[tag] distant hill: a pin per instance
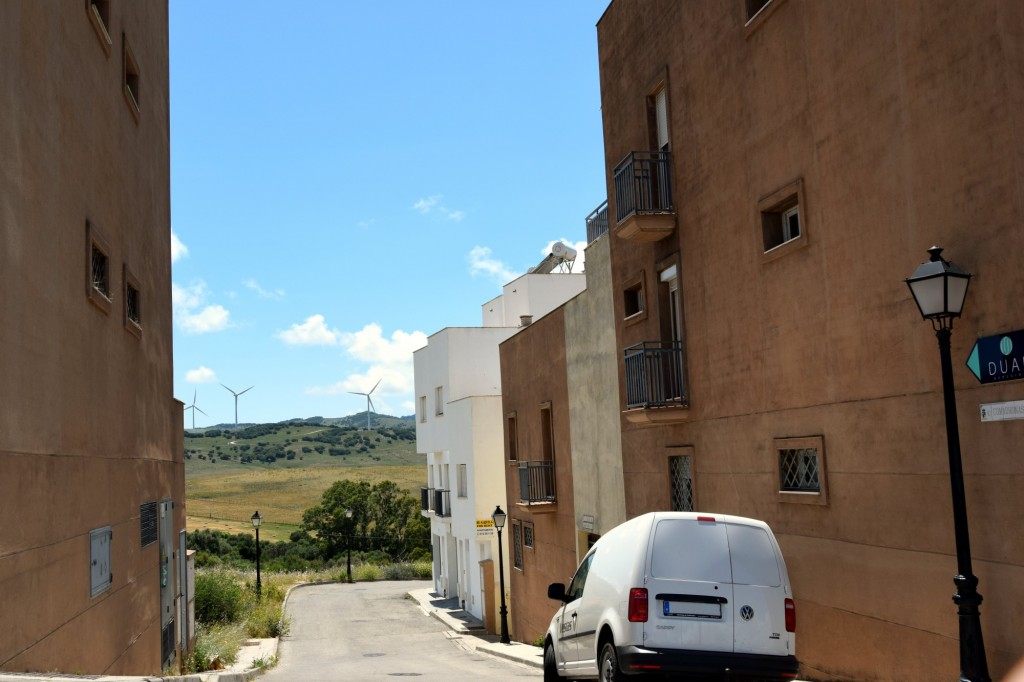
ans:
(357, 420)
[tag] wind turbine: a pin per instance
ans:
(236, 400)
(194, 408)
(369, 403)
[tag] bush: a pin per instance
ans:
(219, 598)
(365, 573)
(266, 620)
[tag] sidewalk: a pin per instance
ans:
(468, 632)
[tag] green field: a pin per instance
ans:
(222, 491)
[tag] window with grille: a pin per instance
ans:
(528, 535)
(681, 475)
(801, 469)
(100, 271)
(132, 303)
(98, 276)
(147, 522)
(517, 545)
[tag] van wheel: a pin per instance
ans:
(550, 667)
(608, 669)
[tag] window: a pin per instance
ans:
(680, 469)
(658, 121)
(100, 576)
(801, 469)
(98, 287)
(439, 401)
(130, 70)
(423, 409)
(527, 535)
(755, 6)
(782, 221)
(147, 523)
(463, 481)
(513, 437)
(756, 13)
(517, 544)
(547, 433)
(99, 14)
(633, 300)
(132, 303)
(579, 579)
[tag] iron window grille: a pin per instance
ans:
(517, 545)
(799, 470)
(681, 475)
(528, 535)
(147, 522)
(100, 272)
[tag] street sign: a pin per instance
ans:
(484, 527)
(997, 412)
(998, 358)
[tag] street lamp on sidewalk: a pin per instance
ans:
(499, 522)
(939, 288)
(348, 543)
(256, 521)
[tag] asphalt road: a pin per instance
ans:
(371, 631)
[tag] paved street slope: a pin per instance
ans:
(372, 631)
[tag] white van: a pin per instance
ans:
(694, 595)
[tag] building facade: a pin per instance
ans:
(91, 444)
(776, 169)
(459, 430)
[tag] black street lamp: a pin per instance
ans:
(348, 543)
(939, 288)
(256, 521)
(499, 522)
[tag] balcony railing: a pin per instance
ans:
(643, 184)
(597, 222)
(654, 374)
(442, 503)
(536, 482)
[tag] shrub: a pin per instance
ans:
(266, 620)
(218, 598)
(365, 573)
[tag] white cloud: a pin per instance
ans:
(580, 262)
(388, 360)
(481, 263)
(178, 248)
(186, 301)
(275, 295)
(312, 332)
(433, 205)
(201, 375)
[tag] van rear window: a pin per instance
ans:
(689, 550)
(753, 557)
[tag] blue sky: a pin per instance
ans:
(348, 178)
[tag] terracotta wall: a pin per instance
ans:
(89, 429)
(902, 120)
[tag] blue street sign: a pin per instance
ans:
(998, 358)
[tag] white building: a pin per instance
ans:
(459, 427)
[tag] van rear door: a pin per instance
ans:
(760, 596)
(689, 586)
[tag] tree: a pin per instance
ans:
(327, 521)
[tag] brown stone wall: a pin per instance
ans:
(89, 429)
(902, 120)
(533, 372)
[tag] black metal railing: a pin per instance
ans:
(654, 374)
(427, 499)
(643, 183)
(537, 481)
(442, 503)
(597, 222)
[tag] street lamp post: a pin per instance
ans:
(939, 289)
(256, 521)
(499, 522)
(348, 544)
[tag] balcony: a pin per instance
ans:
(655, 392)
(643, 197)
(597, 222)
(435, 501)
(537, 482)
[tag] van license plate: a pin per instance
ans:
(692, 610)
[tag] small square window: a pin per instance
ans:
(131, 79)
(801, 469)
(132, 303)
(783, 220)
(527, 535)
(99, 15)
(98, 287)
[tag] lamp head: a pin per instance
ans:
(256, 520)
(499, 517)
(348, 513)
(939, 288)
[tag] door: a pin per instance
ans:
(167, 587)
(760, 597)
(567, 647)
(689, 586)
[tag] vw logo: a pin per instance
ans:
(746, 613)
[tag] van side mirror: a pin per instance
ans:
(556, 591)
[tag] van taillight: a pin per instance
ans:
(638, 605)
(790, 616)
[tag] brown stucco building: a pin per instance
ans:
(91, 452)
(775, 170)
